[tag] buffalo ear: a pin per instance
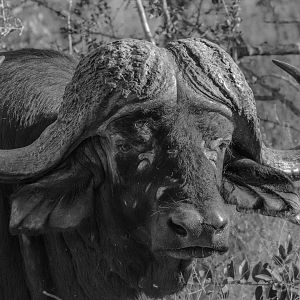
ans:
(256, 187)
(58, 201)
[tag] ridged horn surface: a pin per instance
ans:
(114, 79)
(293, 71)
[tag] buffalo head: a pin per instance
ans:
(150, 144)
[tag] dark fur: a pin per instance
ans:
(81, 234)
(90, 261)
(29, 103)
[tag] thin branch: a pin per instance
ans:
(69, 28)
(144, 21)
(275, 93)
(51, 295)
(65, 15)
(287, 80)
(287, 215)
(269, 283)
(165, 9)
(197, 25)
(167, 21)
(8, 22)
(266, 49)
(282, 21)
(225, 7)
(57, 12)
(266, 98)
(285, 125)
(3, 11)
(276, 96)
(199, 12)
(112, 36)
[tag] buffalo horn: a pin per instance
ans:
(293, 71)
(286, 160)
(95, 96)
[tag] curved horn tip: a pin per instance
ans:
(293, 71)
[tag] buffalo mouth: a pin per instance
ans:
(193, 252)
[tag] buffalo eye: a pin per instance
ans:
(212, 148)
(139, 124)
(223, 145)
(125, 147)
(219, 144)
(172, 151)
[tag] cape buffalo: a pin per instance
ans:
(116, 171)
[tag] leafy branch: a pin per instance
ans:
(277, 281)
(144, 21)
(8, 22)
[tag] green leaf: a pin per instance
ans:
(295, 271)
(278, 260)
(244, 270)
(276, 276)
(205, 271)
(271, 294)
(225, 292)
(256, 270)
(266, 270)
(259, 293)
(282, 252)
(289, 247)
(264, 277)
(296, 282)
(225, 281)
(282, 295)
(230, 269)
(201, 273)
(294, 290)
(287, 261)
(285, 273)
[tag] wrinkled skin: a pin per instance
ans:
(128, 206)
(155, 174)
(151, 203)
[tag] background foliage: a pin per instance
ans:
(263, 261)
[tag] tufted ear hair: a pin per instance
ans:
(259, 188)
(61, 199)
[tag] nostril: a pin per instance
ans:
(221, 226)
(178, 229)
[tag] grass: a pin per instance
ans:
(253, 237)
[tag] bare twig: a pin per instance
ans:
(283, 21)
(285, 125)
(225, 7)
(266, 98)
(165, 9)
(91, 32)
(65, 15)
(287, 80)
(287, 215)
(144, 21)
(51, 295)
(8, 22)
(168, 25)
(69, 28)
(266, 49)
(275, 94)
(57, 12)
(199, 12)
(197, 25)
